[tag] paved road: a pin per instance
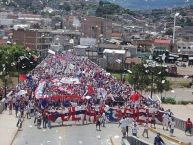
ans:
(66, 135)
(8, 128)
(71, 135)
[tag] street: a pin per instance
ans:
(65, 135)
(71, 134)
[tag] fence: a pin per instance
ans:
(180, 124)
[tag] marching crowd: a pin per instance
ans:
(100, 86)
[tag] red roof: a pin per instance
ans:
(116, 35)
(162, 41)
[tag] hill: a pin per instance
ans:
(152, 4)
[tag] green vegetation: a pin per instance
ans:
(65, 6)
(116, 75)
(169, 100)
(14, 58)
(185, 102)
(185, 21)
(141, 78)
(108, 9)
(169, 32)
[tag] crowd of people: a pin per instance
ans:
(92, 80)
(93, 86)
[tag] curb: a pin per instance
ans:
(168, 137)
(17, 132)
(14, 137)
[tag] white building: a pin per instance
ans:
(185, 47)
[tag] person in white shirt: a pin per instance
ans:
(123, 124)
(134, 129)
(20, 120)
(103, 119)
(129, 124)
(145, 130)
(165, 121)
(172, 126)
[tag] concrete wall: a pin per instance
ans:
(136, 141)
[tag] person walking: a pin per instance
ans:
(165, 121)
(6, 103)
(39, 120)
(35, 116)
(145, 130)
(172, 126)
(98, 122)
(20, 120)
(103, 119)
(16, 108)
(188, 125)
(129, 121)
(45, 119)
(49, 116)
(123, 124)
(134, 129)
(158, 140)
(10, 107)
(153, 119)
(28, 111)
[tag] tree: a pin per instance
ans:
(169, 32)
(15, 57)
(107, 8)
(141, 78)
(65, 7)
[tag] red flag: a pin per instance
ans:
(135, 97)
(22, 77)
(90, 90)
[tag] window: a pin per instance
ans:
(184, 47)
(189, 48)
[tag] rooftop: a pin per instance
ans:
(114, 51)
(162, 41)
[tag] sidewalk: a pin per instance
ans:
(8, 129)
(178, 138)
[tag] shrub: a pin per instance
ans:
(185, 102)
(169, 100)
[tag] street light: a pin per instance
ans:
(161, 73)
(176, 15)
